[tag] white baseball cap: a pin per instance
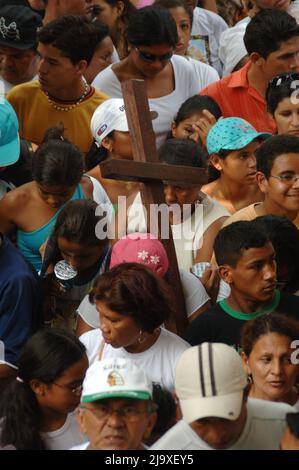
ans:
(115, 377)
(209, 382)
(109, 116)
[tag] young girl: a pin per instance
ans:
(282, 103)
(32, 209)
(74, 239)
(36, 409)
(195, 118)
(231, 144)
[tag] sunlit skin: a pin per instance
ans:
(236, 186)
(56, 401)
(57, 8)
(273, 374)
(122, 331)
(252, 279)
(115, 432)
(281, 197)
(183, 24)
(18, 66)
(100, 60)
(286, 116)
(55, 196)
(289, 441)
(220, 433)
(281, 5)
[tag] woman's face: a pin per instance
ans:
(183, 24)
(79, 256)
(270, 365)
(286, 117)
(100, 60)
(240, 165)
(106, 13)
(119, 145)
(180, 201)
(119, 330)
(150, 60)
(55, 196)
(184, 129)
(63, 396)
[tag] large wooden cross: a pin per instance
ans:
(146, 169)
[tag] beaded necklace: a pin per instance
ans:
(72, 106)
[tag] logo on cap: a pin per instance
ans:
(9, 32)
(102, 129)
(114, 378)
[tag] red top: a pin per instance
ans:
(236, 98)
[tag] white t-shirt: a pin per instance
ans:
(264, 428)
(205, 35)
(100, 196)
(194, 293)
(81, 446)
(67, 436)
(158, 361)
(5, 86)
(165, 107)
(205, 73)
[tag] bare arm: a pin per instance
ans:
(7, 211)
(205, 252)
(82, 327)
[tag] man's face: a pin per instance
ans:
(116, 423)
(280, 189)
(285, 59)
(17, 66)
(56, 72)
(220, 433)
(254, 276)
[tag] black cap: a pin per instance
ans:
(18, 27)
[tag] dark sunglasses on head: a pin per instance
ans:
(282, 79)
(152, 57)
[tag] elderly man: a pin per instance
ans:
(116, 411)
(211, 386)
(18, 45)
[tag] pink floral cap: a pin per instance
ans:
(143, 248)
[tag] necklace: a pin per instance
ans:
(68, 108)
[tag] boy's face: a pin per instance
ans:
(254, 276)
(281, 189)
(283, 60)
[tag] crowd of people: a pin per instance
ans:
(92, 356)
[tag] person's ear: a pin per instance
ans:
(245, 363)
(152, 419)
(81, 67)
(216, 161)
(174, 129)
(38, 387)
(81, 420)
(226, 273)
(120, 8)
(257, 59)
(262, 182)
(107, 143)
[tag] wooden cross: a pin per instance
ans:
(147, 169)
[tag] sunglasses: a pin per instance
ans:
(152, 57)
(282, 79)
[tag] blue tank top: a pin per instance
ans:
(29, 243)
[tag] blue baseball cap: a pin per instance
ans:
(9, 134)
(232, 134)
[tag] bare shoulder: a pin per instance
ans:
(87, 186)
(17, 198)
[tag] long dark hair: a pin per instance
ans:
(45, 357)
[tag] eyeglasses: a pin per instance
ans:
(289, 178)
(282, 79)
(76, 390)
(129, 413)
(153, 57)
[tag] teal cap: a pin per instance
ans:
(232, 133)
(9, 134)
